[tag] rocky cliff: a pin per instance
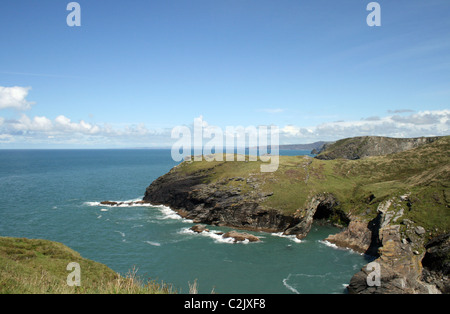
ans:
(221, 203)
(364, 146)
(393, 207)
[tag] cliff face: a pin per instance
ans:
(360, 147)
(398, 249)
(216, 203)
(391, 207)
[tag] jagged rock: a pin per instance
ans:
(321, 204)
(215, 203)
(357, 236)
(199, 228)
(209, 196)
(400, 268)
(240, 236)
(436, 262)
(364, 146)
(112, 203)
(420, 230)
(109, 203)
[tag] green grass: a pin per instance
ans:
(359, 185)
(29, 266)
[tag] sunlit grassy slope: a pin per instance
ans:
(360, 185)
(39, 266)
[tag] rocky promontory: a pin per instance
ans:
(365, 146)
(393, 207)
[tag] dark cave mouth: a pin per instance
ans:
(330, 213)
(323, 212)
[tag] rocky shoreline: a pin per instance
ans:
(216, 204)
(407, 264)
(399, 257)
(411, 258)
(399, 250)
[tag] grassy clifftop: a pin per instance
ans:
(364, 146)
(39, 266)
(421, 175)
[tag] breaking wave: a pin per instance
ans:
(290, 237)
(217, 237)
(167, 212)
(334, 246)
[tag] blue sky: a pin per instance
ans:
(135, 69)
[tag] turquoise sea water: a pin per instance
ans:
(55, 195)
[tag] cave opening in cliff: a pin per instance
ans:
(324, 211)
(329, 212)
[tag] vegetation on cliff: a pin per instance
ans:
(364, 146)
(395, 207)
(29, 266)
(420, 175)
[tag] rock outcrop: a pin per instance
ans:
(240, 236)
(216, 204)
(436, 263)
(398, 250)
(364, 146)
(199, 228)
(321, 205)
(368, 197)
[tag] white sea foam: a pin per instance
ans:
(121, 233)
(291, 288)
(92, 203)
(334, 246)
(213, 235)
(168, 213)
(329, 244)
(290, 237)
(104, 209)
(153, 243)
(127, 203)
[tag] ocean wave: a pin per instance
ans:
(137, 202)
(334, 246)
(290, 237)
(153, 243)
(92, 204)
(301, 277)
(288, 286)
(121, 233)
(167, 212)
(329, 244)
(213, 235)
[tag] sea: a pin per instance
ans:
(56, 195)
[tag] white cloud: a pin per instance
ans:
(14, 97)
(425, 123)
(25, 124)
(64, 124)
(6, 138)
(294, 131)
(62, 130)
